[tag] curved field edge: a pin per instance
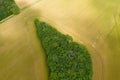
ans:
(90, 22)
(27, 21)
(100, 18)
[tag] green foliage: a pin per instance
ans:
(66, 59)
(7, 8)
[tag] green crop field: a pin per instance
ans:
(94, 23)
